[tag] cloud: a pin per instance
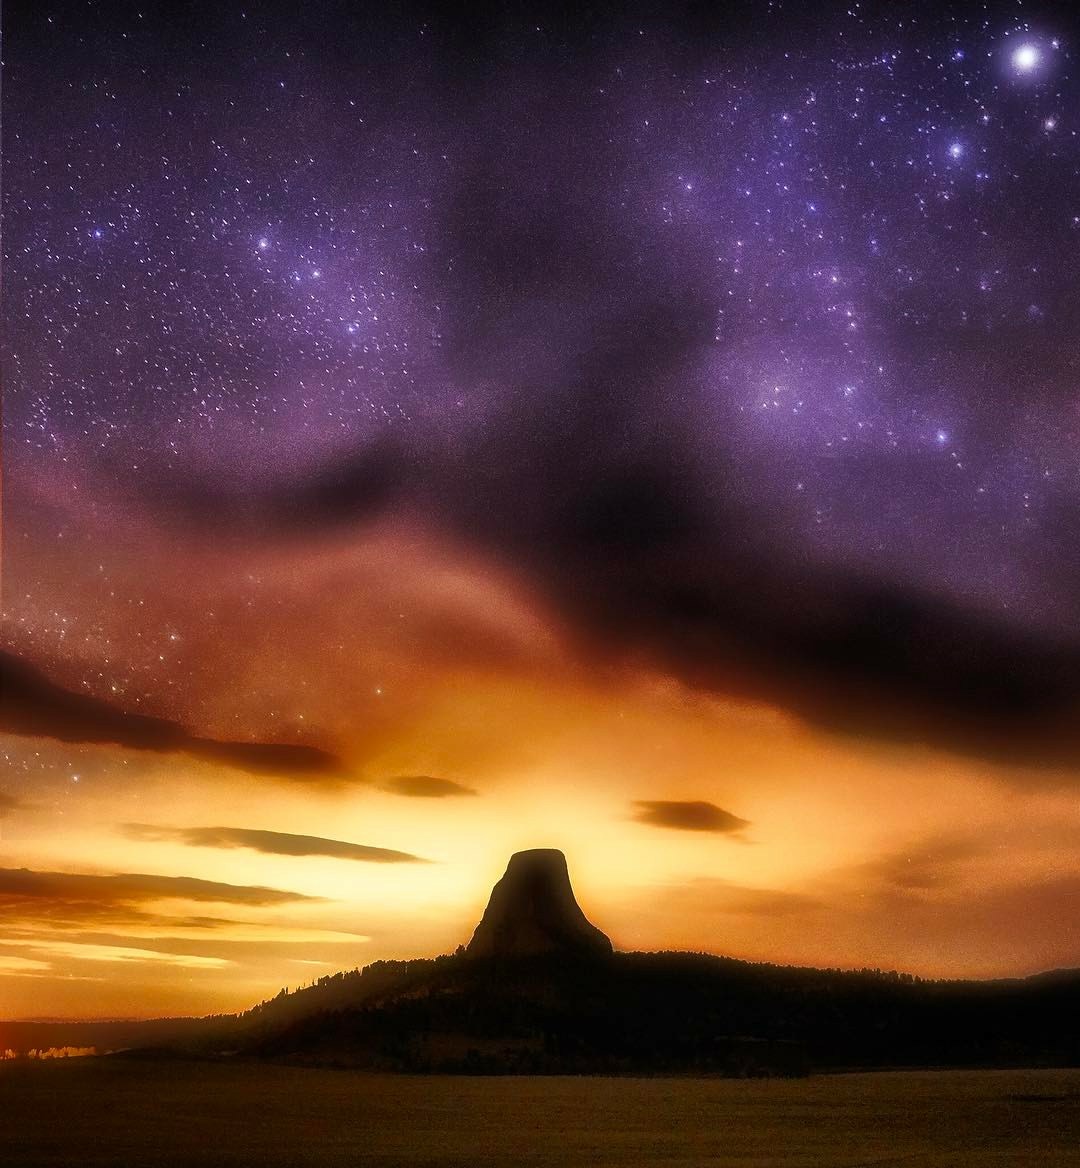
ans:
(604, 451)
(425, 787)
(87, 951)
(105, 912)
(586, 420)
(22, 886)
(276, 843)
(688, 816)
(35, 913)
(32, 705)
(21, 966)
(8, 803)
(642, 562)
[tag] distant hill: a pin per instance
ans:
(662, 1012)
(538, 990)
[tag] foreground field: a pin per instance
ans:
(130, 1113)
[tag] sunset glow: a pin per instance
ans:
(664, 456)
(855, 853)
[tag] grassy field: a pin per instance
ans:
(130, 1113)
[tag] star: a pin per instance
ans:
(1026, 58)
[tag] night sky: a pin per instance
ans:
(430, 435)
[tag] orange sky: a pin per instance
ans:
(409, 657)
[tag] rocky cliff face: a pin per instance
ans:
(532, 911)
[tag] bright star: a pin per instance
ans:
(1026, 58)
(942, 437)
(264, 243)
(956, 150)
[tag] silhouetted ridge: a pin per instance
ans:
(532, 911)
(539, 991)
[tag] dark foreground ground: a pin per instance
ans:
(132, 1113)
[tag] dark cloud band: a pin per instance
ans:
(23, 884)
(688, 816)
(32, 705)
(276, 843)
(425, 787)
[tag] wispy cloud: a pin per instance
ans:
(425, 787)
(278, 843)
(88, 951)
(21, 966)
(18, 886)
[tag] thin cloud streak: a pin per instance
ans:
(277, 843)
(426, 787)
(18, 886)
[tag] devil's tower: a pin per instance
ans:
(532, 911)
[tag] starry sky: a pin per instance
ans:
(646, 432)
